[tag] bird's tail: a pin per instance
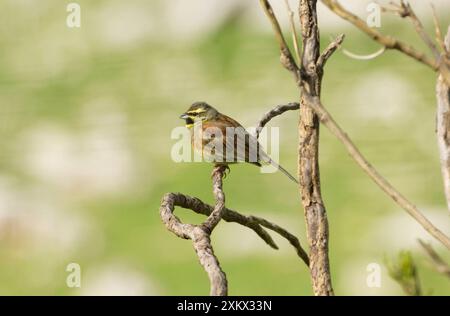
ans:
(273, 163)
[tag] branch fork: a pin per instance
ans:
(200, 234)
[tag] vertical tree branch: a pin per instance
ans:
(443, 125)
(308, 152)
(216, 215)
(205, 253)
(308, 78)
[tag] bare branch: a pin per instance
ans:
(213, 219)
(286, 56)
(278, 110)
(253, 222)
(293, 30)
(199, 207)
(200, 234)
(332, 47)
(336, 130)
(170, 200)
(387, 41)
(437, 29)
(440, 64)
(438, 263)
(308, 153)
(404, 10)
(284, 233)
(390, 42)
(308, 79)
(443, 135)
(443, 124)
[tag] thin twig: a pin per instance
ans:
(438, 263)
(284, 233)
(388, 41)
(332, 47)
(293, 30)
(336, 130)
(404, 10)
(286, 58)
(437, 29)
(441, 65)
(391, 42)
(278, 110)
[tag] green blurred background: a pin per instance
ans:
(85, 122)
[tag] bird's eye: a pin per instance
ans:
(195, 113)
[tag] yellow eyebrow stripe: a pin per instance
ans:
(196, 111)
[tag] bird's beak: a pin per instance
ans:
(184, 116)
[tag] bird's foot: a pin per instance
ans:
(222, 169)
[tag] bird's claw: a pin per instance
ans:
(223, 169)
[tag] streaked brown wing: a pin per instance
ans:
(240, 146)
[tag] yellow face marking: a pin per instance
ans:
(197, 111)
(189, 125)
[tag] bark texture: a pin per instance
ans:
(308, 152)
(443, 126)
(200, 234)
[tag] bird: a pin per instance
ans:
(220, 139)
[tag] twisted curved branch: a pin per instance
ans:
(200, 234)
(255, 223)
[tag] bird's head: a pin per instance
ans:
(199, 111)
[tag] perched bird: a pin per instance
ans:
(222, 140)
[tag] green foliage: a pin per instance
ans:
(404, 271)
